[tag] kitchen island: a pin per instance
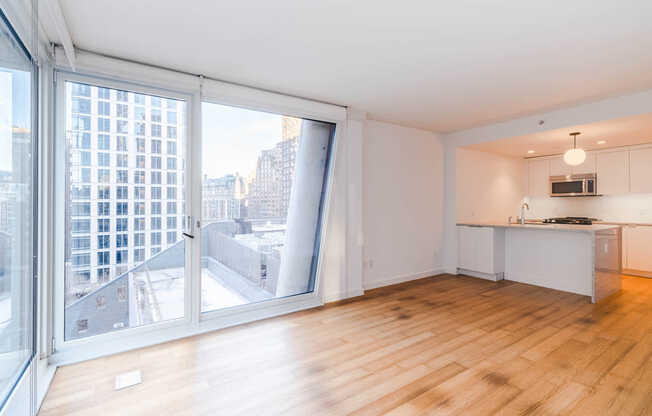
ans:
(582, 259)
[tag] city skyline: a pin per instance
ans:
(239, 133)
(125, 207)
(265, 191)
(125, 198)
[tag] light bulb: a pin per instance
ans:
(574, 157)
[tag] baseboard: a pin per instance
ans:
(334, 297)
(494, 277)
(403, 278)
(639, 273)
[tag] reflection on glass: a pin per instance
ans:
(16, 211)
(124, 263)
(264, 176)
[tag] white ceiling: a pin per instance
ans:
(616, 133)
(441, 66)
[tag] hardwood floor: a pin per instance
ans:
(441, 345)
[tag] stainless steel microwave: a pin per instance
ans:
(574, 185)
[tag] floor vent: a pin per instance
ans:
(129, 379)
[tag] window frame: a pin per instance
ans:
(25, 375)
(250, 99)
(177, 86)
(61, 347)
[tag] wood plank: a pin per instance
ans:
(441, 345)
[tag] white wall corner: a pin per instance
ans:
(354, 211)
(449, 248)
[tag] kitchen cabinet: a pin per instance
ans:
(538, 177)
(637, 243)
(587, 167)
(481, 251)
(640, 170)
(608, 250)
(558, 167)
(612, 170)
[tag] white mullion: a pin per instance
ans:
(193, 208)
(59, 200)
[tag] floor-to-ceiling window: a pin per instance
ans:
(124, 260)
(264, 177)
(142, 247)
(17, 202)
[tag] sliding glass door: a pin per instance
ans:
(263, 184)
(17, 204)
(143, 248)
(124, 205)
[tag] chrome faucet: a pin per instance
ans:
(524, 206)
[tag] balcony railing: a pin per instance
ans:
(233, 272)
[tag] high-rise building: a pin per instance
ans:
(290, 128)
(13, 174)
(223, 198)
(269, 190)
(124, 179)
(287, 150)
(265, 191)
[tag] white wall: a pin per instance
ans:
(489, 187)
(402, 204)
(341, 275)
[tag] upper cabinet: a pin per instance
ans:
(538, 177)
(558, 167)
(619, 171)
(640, 170)
(612, 170)
(587, 167)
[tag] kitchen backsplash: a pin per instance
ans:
(618, 208)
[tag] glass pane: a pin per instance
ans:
(125, 261)
(264, 177)
(567, 187)
(16, 210)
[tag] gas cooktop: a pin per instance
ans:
(570, 220)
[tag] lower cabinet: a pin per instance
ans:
(481, 251)
(637, 250)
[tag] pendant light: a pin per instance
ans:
(574, 156)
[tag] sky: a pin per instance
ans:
(233, 138)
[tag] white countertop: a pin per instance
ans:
(539, 226)
(599, 222)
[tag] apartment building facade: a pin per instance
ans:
(125, 193)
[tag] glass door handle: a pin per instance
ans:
(189, 227)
